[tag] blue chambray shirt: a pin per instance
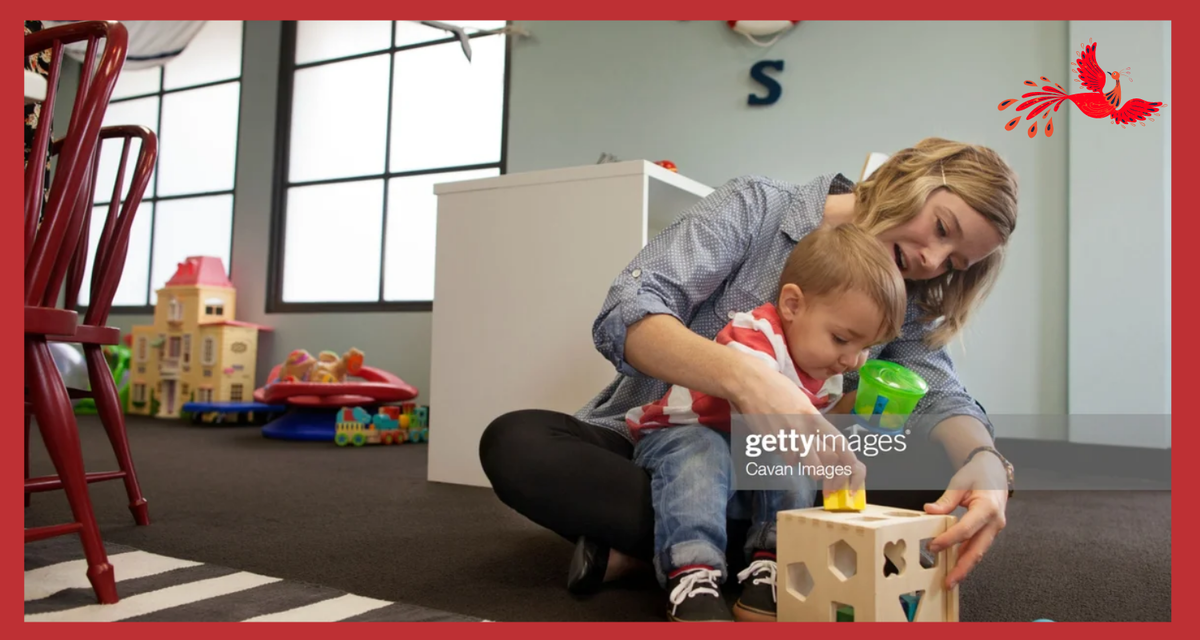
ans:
(724, 255)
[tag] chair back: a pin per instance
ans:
(52, 231)
(113, 245)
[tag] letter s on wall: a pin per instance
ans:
(774, 89)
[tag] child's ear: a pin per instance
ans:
(791, 301)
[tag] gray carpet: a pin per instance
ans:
(365, 521)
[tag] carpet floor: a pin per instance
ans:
(366, 522)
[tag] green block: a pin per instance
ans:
(845, 614)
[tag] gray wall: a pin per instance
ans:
(1120, 247)
(677, 90)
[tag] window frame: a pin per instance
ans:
(283, 134)
(161, 94)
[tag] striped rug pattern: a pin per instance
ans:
(156, 588)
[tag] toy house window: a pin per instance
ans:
(174, 346)
(193, 104)
(187, 349)
(175, 310)
(441, 117)
(235, 393)
(214, 307)
(204, 394)
(139, 392)
(183, 389)
(141, 349)
(208, 351)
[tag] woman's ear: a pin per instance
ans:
(791, 301)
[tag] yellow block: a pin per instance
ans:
(841, 501)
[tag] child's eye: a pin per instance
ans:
(941, 228)
(839, 339)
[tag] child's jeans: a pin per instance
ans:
(691, 473)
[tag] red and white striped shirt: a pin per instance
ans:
(758, 333)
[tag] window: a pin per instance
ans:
(187, 349)
(208, 351)
(235, 392)
(139, 392)
(193, 104)
(204, 394)
(214, 307)
(141, 349)
(372, 115)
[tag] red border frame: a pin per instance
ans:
(1183, 129)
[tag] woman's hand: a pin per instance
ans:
(974, 487)
(777, 404)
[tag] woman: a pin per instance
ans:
(944, 209)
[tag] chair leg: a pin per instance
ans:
(108, 406)
(27, 425)
(52, 408)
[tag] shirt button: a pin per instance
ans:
(732, 314)
(637, 272)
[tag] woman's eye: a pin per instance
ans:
(941, 228)
(839, 340)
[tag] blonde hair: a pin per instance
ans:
(896, 192)
(836, 260)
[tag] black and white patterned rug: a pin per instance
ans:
(156, 588)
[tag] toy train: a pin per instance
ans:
(392, 425)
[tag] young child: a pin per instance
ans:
(840, 293)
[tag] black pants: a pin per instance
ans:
(579, 480)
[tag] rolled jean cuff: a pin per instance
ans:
(760, 538)
(686, 554)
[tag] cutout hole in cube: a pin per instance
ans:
(869, 519)
(841, 612)
(843, 560)
(893, 553)
(799, 580)
(911, 603)
(928, 560)
(904, 514)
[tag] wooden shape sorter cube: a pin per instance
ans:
(863, 566)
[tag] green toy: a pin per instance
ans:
(887, 395)
(119, 357)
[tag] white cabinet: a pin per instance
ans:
(523, 264)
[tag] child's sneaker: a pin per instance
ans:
(757, 602)
(695, 596)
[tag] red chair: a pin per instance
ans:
(92, 333)
(52, 235)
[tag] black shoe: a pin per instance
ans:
(588, 566)
(694, 595)
(757, 602)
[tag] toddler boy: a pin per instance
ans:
(840, 293)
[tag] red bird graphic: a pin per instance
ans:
(1095, 104)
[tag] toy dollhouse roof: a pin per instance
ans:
(239, 323)
(200, 271)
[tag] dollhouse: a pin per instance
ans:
(195, 351)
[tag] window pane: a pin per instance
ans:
(190, 227)
(411, 32)
(144, 112)
(331, 251)
(448, 111)
(131, 292)
(199, 140)
(339, 120)
(137, 82)
(411, 231)
(328, 39)
(214, 54)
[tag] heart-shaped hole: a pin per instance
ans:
(893, 553)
